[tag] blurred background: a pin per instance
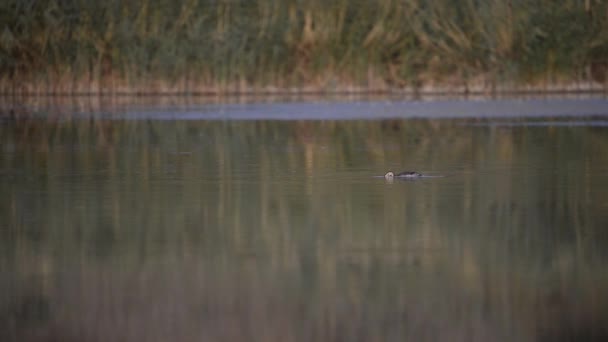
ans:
(214, 170)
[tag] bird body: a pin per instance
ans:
(404, 174)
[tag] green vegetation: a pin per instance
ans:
(244, 45)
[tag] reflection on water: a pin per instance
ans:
(279, 231)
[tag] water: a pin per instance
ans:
(152, 229)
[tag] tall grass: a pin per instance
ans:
(240, 45)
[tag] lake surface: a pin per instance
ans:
(176, 223)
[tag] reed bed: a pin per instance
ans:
(212, 46)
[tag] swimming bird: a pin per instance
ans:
(405, 174)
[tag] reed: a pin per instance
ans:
(199, 46)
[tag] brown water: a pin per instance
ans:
(277, 230)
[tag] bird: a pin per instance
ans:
(405, 174)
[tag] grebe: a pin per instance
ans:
(404, 174)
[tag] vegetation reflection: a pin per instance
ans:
(277, 228)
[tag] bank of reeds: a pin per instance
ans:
(197, 46)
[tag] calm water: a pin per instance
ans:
(183, 229)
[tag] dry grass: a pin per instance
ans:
(200, 46)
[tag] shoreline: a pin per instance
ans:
(24, 101)
(588, 87)
(327, 85)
